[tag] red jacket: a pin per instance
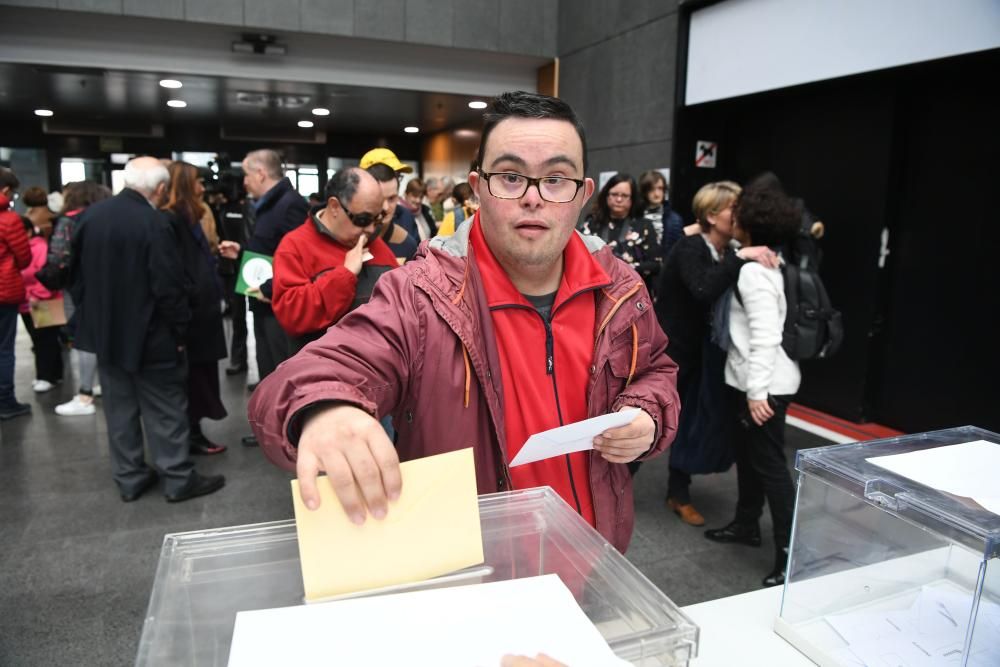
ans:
(311, 289)
(423, 350)
(14, 254)
(545, 365)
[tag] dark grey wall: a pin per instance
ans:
(617, 63)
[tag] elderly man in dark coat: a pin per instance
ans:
(129, 287)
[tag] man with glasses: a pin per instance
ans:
(328, 266)
(513, 325)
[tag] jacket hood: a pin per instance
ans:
(4, 202)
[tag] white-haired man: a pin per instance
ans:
(128, 283)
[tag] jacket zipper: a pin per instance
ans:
(550, 369)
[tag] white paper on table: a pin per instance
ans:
(969, 469)
(575, 437)
(464, 625)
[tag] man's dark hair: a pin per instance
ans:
(343, 185)
(519, 104)
(767, 214)
(8, 179)
(462, 193)
(383, 173)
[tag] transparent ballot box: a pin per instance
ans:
(885, 570)
(204, 578)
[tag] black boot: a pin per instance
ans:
(777, 576)
(736, 532)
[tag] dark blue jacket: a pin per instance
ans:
(673, 227)
(279, 211)
(128, 284)
(408, 248)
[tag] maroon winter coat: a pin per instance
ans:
(422, 350)
(14, 254)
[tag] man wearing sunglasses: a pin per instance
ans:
(328, 266)
(513, 325)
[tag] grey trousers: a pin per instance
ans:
(87, 361)
(154, 400)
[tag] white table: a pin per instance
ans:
(739, 630)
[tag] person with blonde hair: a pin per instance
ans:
(698, 271)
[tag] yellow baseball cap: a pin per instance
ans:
(386, 157)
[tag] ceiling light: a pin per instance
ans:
(171, 83)
(477, 104)
(177, 104)
(411, 130)
(320, 111)
(44, 113)
(305, 123)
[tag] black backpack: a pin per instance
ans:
(814, 329)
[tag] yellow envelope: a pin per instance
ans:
(433, 529)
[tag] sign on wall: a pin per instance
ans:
(705, 154)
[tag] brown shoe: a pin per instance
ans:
(687, 513)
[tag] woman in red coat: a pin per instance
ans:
(14, 256)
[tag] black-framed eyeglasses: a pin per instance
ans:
(364, 218)
(511, 185)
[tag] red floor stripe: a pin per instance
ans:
(860, 432)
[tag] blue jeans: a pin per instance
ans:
(8, 331)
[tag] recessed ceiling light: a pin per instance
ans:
(45, 113)
(477, 104)
(320, 111)
(177, 104)
(171, 83)
(411, 130)
(305, 123)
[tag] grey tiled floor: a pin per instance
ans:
(77, 564)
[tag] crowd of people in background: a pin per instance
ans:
(714, 280)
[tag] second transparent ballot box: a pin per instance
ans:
(886, 570)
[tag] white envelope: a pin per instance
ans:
(575, 437)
